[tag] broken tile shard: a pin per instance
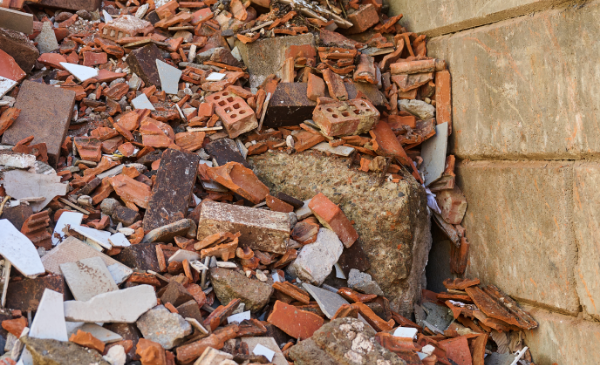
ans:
(18, 249)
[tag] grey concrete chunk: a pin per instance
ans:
(161, 326)
(315, 260)
(88, 278)
(46, 40)
(169, 77)
(418, 108)
(121, 306)
(433, 152)
(363, 283)
(328, 301)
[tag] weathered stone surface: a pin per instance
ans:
(230, 284)
(176, 294)
(434, 18)
(45, 113)
(418, 108)
(495, 114)
(315, 260)
(586, 199)
(142, 62)
(266, 56)
(141, 256)
(172, 191)
(53, 352)
(349, 341)
(161, 326)
(261, 229)
(363, 283)
(18, 46)
(518, 213)
(308, 353)
(395, 233)
(562, 339)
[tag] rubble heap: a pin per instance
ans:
(227, 182)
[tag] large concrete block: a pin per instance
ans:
(437, 17)
(586, 215)
(520, 88)
(519, 225)
(562, 339)
(391, 220)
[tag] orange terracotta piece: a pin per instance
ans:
(132, 190)
(278, 205)
(188, 353)
(332, 217)
(86, 339)
(295, 322)
(7, 118)
(240, 180)
(315, 88)
(9, 68)
(457, 350)
(151, 353)
(15, 326)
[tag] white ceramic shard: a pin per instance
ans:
(19, 250)
(169, 77)
(81, 72)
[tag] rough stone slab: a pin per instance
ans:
(45, 113)
(261, 229)
(18, 45)
(88, 278)
(161, 326)
(307, 353)
(172, 191)
(266, 56)
(290, 105)
(562, 339)
(519, 213)
(121, 306)
(20, 184)
(19, 250)
(46, 40)
(328, 301)
(315, 260)
(230, 284)
(141, 256)
(73, 250)
(142, 62)
(26, 295)
(434, 18)
(45, 351)
(395, 235)
(495, 114)
(587, 233)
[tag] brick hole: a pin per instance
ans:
(329, 110)
(345, 114)
(225, 93)
(217, 97)
(242, 112)
(230, 99)
(334, 115)
(233, 115)
(236, 106)
(228, 110)
(356, 111)
(221, 103)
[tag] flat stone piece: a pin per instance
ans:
(230, 284)
(19, 250)
(260, 229)
(72, 219)
(141, 256)
(315, 260)
(6, 85)
(142, 62)
(46, 40)
(46, 351)
(19, 47)
(225, 150)
(101, 333)
(95, 235)
(169, 77)
(45, 113)
(21, 184)
(328, 301)
(88, 278)
(172, 191)
(121, 306)
(73, 250)
(433, 152)
(270, 344)
(161, 326)
(290, 104)
(25, 295)
(142, 102)
(82, 73)
(350, 341)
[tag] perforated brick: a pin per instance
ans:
(355, 116)
(235, 113)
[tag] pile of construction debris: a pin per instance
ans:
(144, 224)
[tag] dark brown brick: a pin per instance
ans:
(17, 215)
(225, 150)
(142, 61)
(125, 215)
(172, 191)
(25, 295)
(45, 114)
(18, 46)
(141, 256)
(354, 257)
(190, 309)
(176, 294)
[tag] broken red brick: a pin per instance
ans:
(7, 118)
(9, 68)
(131, 190)
(453, 205)
(15, 326)
(335, 84)
(86, 339)
(315, 88)
(278, 205)
(52, 60)
(332, 217)
(306, 231)
(89, 149)
(150, 352)
(94, 58)
(363, 19)
(296, 323)
(236, 115)
(240, 180)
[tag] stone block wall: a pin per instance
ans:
(526, 114)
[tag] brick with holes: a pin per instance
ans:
(351, 117)
(236, 114)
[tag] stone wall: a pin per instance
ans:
(526, 113)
